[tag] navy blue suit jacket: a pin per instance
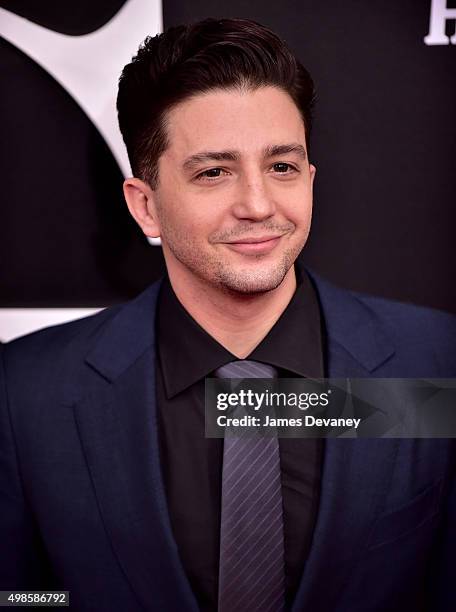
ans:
(82, 503)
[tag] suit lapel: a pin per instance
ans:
(356, 472)
(117, 424)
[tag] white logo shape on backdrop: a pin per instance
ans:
(89, 66)
(440, 13)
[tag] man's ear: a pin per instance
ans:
(140, 200)
(312, 171)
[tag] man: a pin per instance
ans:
(109, 488)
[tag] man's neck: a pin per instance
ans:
(237, 321)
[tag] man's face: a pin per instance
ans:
(234, 198)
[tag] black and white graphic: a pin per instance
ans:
(67, 237)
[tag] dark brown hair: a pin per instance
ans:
(191, 59)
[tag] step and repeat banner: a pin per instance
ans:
(384, 143)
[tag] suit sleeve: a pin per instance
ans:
(22, 563)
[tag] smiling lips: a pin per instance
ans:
(262, 244)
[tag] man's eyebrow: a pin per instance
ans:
(284, 149)
(207, 156)
(271, 151)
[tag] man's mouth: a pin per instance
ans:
(254, 244)
(255, 240)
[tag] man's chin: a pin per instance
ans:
(251, 283)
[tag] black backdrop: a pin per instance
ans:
(384, 144)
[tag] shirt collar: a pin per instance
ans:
(188, 353)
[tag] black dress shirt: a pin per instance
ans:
(192, 464)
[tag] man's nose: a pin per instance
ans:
(253, 199)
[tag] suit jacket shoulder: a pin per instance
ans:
(388, 336)
(107, 341)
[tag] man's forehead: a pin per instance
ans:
(244, 123)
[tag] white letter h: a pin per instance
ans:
(439, 14)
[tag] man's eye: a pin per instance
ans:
(283, 168)
(212, 173)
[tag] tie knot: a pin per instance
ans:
(246, 368)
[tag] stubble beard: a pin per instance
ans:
(217, 271)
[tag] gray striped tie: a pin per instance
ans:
(252, 574)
